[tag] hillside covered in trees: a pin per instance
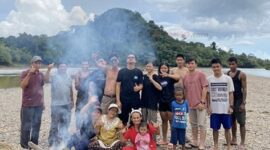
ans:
(117, 31)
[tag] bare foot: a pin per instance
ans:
(201, 147)
(241, 147)
(214, 148)
(170, 146)
(233, 142)
(161, 142)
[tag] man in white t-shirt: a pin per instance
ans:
(220, 102)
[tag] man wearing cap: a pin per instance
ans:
(31, 82)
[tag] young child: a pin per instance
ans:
(142, 139)
(179, 110)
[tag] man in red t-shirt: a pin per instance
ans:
(196, 84)
(31, 82)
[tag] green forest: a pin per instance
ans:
(117, 31)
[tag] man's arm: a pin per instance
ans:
(231, 102)
(25, 81)
(204, 94)
(71, 97)
(91, 100)
(243, 79)
(137, 87)
(156, 84)
(47, 74)
(77, 80)
(118, 85)
(203, 104)
(208, 103)
(174, 76)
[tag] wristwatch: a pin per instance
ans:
(231, 106)
(202, 102)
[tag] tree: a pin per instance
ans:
(213, 46)
(5, 57)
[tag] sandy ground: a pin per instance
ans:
(258, 118)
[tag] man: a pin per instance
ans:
(32, 81)
(195, 84)
(180, 70)
(128, 87)
(220, 102)
(109, 95)
(240, 94)
(61, 105)
(98, 78)
(95, 87)
(81, 84)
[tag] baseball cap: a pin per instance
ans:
(36, 58)
(114, 106)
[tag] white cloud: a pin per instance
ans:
(171, 5)
(221, 18)
(214, 27)
(245, 42)
(147, 16)
(41, 17)
(176, 30)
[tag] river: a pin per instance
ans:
(9, 78)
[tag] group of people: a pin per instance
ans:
(117, 108)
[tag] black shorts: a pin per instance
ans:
(165, 106)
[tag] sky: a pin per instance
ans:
(242, 25)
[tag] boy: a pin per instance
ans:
(179, 110)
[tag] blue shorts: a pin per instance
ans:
(178, 135)
(217, 119)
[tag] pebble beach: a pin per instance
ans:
(257, 125)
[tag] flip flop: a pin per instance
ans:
(188, 146)
(194, 146)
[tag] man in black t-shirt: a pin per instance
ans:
(128, 86)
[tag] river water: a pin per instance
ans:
(10, 77)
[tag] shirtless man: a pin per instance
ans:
(239, 113)
(109, 95)
(180, 70)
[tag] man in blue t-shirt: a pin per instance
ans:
(179, 110)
